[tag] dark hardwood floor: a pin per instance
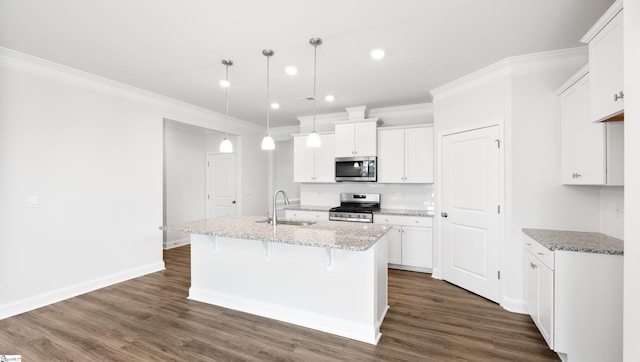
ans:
(150, 319)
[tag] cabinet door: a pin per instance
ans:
(366, 134)
(606, 67)
(582, 141)
(391, 156)
(395, 245)
(345, 140)
(325, 170)
(540, 296)
(615, 153)
(303, 160)
(418, 155)
(545, 303)
(417, 246)
(307, 215)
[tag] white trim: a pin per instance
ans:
(514, 305)
(324, 119)
(410, 268)
(602, 22)
(523, 64)
(175, 243)
(284, 133)
(360, 120)
(408, 126)
(54, 296)
(357, 331)
(573, 79)
(404, 111)
(14, 60)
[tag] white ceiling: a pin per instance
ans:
(174, 47)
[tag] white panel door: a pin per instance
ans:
(469, 213)
(606, 64)
(417, 246)
(325, 156)
(366, 134)
(345, 140)
(391, 156)
(221, 185)
(303, 160)
(418, 155)
(395, 245)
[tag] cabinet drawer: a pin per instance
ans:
(546, 256)
(403, 220)
(306, 215)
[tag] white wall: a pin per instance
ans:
(184, 180)
(632, 181)
(520, 93)
(91, 150)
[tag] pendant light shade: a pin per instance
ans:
(225, 145)
(313, 140)
(267, 141)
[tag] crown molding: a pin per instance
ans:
(25, 63)
(417, 112)
(603, 21)
(573, 79)
(284, 133)
(517, 65)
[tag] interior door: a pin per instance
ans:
(470, 214)
(221, 185)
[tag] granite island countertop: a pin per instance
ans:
(588, 242)
(325, 234)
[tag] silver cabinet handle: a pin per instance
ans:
(533, 266)
(444, 214)
(527, 244)
(541, 254)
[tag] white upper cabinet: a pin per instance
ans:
(356, 138)
(405, 155)
(314, 164)
(591, 152)
(606, 62)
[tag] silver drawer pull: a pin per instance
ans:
(541, 254)
(527, 244)
(533, 266)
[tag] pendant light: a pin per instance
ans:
(314, 139)
(225, 145)
(267, 141)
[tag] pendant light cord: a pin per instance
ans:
(226, 96)
(268, 111)
(315, 74)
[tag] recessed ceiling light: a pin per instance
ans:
(224, 83)
(329, 98)
(291, 70)
(377, 54)
(275, 105)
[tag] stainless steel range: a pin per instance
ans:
(355, 207)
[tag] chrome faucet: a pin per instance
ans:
(286, 202)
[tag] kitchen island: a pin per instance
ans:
(330, 276)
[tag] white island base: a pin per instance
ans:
(338, 291)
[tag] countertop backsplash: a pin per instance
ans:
(392, 196)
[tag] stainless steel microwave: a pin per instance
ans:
(357, 169)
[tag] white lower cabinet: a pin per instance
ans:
(410, 241)
(306, 215)
(575, 300)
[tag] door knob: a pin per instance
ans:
(233, 202)
(444, 214)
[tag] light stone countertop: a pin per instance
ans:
(326, 234)
(402, 212)
(588, 242)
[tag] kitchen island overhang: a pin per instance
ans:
(329, 276)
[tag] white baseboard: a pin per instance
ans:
(514, 305)
(54, 296)
(170, 244)
(351, 329)
(410, 268)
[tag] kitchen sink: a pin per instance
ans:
(288, 222)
